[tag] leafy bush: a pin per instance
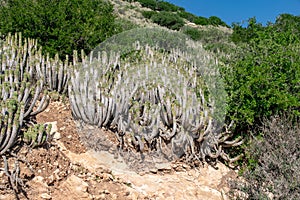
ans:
(148, 14)
(159, 5)
(264, 75)
(201, 21)
(167, 19)
(60, 26)
(212, 38)
(215, 21)
(245, 34)
(189, 16)
(166, 6)
(284, 23)
(275, 173)
(194, 33)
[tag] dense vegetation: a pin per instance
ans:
(259, 64)
(263, 83)
(165, 10)
(164, 18)
(60, 26)
(264, 72)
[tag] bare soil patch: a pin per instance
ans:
(73, 167)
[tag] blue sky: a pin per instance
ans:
(240, 10)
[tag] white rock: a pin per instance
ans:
(57, 136)
(53, 129)
(45, 196)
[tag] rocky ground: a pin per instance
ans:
(67, 169)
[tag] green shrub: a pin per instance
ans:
(159, 5)
(201, 21)
(212, 38)
(152, 4)
(166, 6)
(148, 14)
(60, 26)
(194, 33)
(216, 21)
(264, 75)
(245, 34)
(189, 16)
(167, 19)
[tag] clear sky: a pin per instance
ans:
(231, 11)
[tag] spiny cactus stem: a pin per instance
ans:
(42, 106)
(74, 105)
(100, 115)
(40, 133)
(49, 75)
(38, 89)
(109, 111)
(26, 93)
(12, 138)
(4, 120)
(60, 77)
(8, 133)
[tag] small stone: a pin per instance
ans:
(114, 196)
(2, 174)
(107, 177)
(163, 166)
(39, 179)
(153, 170)
(185, 166)
(45, 196)
(105, 192)
(53, 128)
(142, 173)
(99, 197)
(57, 136)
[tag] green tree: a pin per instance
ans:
(60, 26)
(245, 34)
(264, 74)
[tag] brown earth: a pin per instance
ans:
(66, 169)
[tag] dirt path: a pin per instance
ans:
(67, 170)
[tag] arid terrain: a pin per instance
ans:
(66, 169)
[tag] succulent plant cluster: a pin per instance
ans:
(26, 76)
(158, 97)
(37, 135)
(161, 94)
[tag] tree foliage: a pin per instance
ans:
(159, 5)
(60, 26)
(166, 19)
(264, 74)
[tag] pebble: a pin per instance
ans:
(57, 136)
(153, 170)
(45, 196)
